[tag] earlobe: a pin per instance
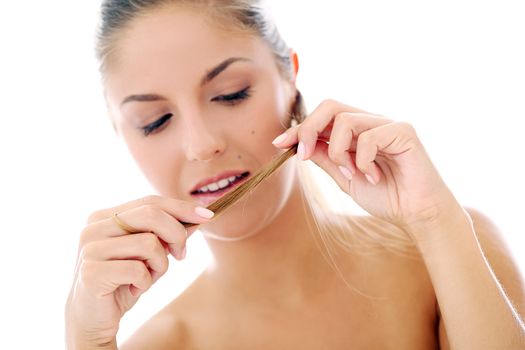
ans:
(295, 61)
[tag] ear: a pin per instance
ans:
(295, 61)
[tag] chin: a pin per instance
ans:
(257, 209)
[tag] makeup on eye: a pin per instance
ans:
(235, 97)
(228, 99)
(156, 125)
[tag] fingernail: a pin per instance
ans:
(280, 138)
(370, 179)
(346, 172)
(301, 151)
(204, 213)
(183, 254)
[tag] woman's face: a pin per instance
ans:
(193, 102)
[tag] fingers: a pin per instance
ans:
(341, 143)
(392, 139)
(322, 115)
(102, 278)
(145, 247)
(320, 123)
(348, 130)
(152, 219)
(181, 210)
(343, 180)
(365, 157)
(151, 214)
(346, 125)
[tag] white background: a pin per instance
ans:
(454, 69)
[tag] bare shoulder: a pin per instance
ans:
(491, 240)
(168, 329)
(492, 243)
(391, 268)
(500, 258)
(162, 331)
(501, 261)
(392, 262)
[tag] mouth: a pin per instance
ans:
(210, 193)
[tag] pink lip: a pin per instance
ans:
(206, 198)
(221, 176)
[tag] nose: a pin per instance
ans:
(202, 141)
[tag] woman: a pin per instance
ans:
(198, 90)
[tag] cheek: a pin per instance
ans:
(269, 114)
(153, 162)
(267, 119)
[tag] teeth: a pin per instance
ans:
(223, 183)
(219, 184)
(213, 186)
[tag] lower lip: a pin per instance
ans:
(206, 199)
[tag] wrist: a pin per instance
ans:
(86, 345)
(80, 336)
(80, 341)
(437, 226)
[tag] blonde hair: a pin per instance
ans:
(346, 231)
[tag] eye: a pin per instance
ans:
(156, 125)
(235, 98)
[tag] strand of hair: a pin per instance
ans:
(223, 203)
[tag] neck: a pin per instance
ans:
(283, 261)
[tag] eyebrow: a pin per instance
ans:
(209, 76)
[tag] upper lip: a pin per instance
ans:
(216, 178)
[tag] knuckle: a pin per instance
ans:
(150, 199)
(361, 163)
(85, 235)
(342, 118)
(136, 268)
(151, 212)
(96, 216)
(349, 118)
(88, 272)
(150, 243)
(329, 103)
(345, 121)
(304, 132)
(140, 271)
(364, 139)
(87, 251)
(181, 233)
(336, 155)
(407, 126)
(164, 264)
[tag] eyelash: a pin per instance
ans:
(236, 97)
(231, 99)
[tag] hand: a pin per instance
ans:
(384, 166)
(115, 267)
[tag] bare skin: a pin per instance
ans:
(394, 304)
(330, 316)
(274, 289)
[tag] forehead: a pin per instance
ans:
(182, 43)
